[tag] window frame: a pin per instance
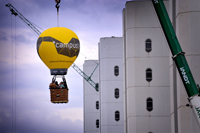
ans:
(117, 115)
(149, 75)
(149, 104)
(148, 45)
(97, 123)
(97, 105)
(116, 70)
(116, 93)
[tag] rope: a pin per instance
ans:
(37, 26)
(13, 50)
(57, 6)
(12, 74)
(15, 77)
(58, 19)
(86, 57)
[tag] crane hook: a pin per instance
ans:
(57, 4)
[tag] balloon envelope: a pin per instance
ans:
(58, 48)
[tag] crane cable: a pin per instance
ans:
(57, 6)
(13, 50)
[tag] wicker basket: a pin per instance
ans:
(59, 95)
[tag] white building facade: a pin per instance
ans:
(185, 15)
(103, 110)
(140, 90)
(146, 71)
(91, 112)
(111, 85)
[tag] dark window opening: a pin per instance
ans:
(117, 115)
(97, 104)
(149, 104)
(148, 45)
(148, 74)
(116, 93)
(97, 123)
(116, 70)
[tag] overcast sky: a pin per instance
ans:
(25, 105)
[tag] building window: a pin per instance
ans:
(117, 115)
(97, 104)
(148, 74)
(148, 45)
(149, 104)
(116, 70)
(97, 123)
(116, 93)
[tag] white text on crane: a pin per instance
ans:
(155, 1)
(185, 77)
(198, 111)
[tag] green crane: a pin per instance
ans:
(191, 87)
(15, 12)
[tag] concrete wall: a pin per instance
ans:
(187, 21)
(110, 55)
(91, 96)
(169, 112)
(139, 24)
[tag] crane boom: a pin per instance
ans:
(87, 78)
(15, 12)
(179, 57)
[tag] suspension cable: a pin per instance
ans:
(15, 59)
(13, 54)
(57, 6)
(12, 76)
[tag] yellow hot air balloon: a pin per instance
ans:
(58, 48)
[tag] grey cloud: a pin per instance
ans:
(5, 75)
(27, 110)
(38, 122)
(3, 36)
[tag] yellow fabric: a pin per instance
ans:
(58, 55)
